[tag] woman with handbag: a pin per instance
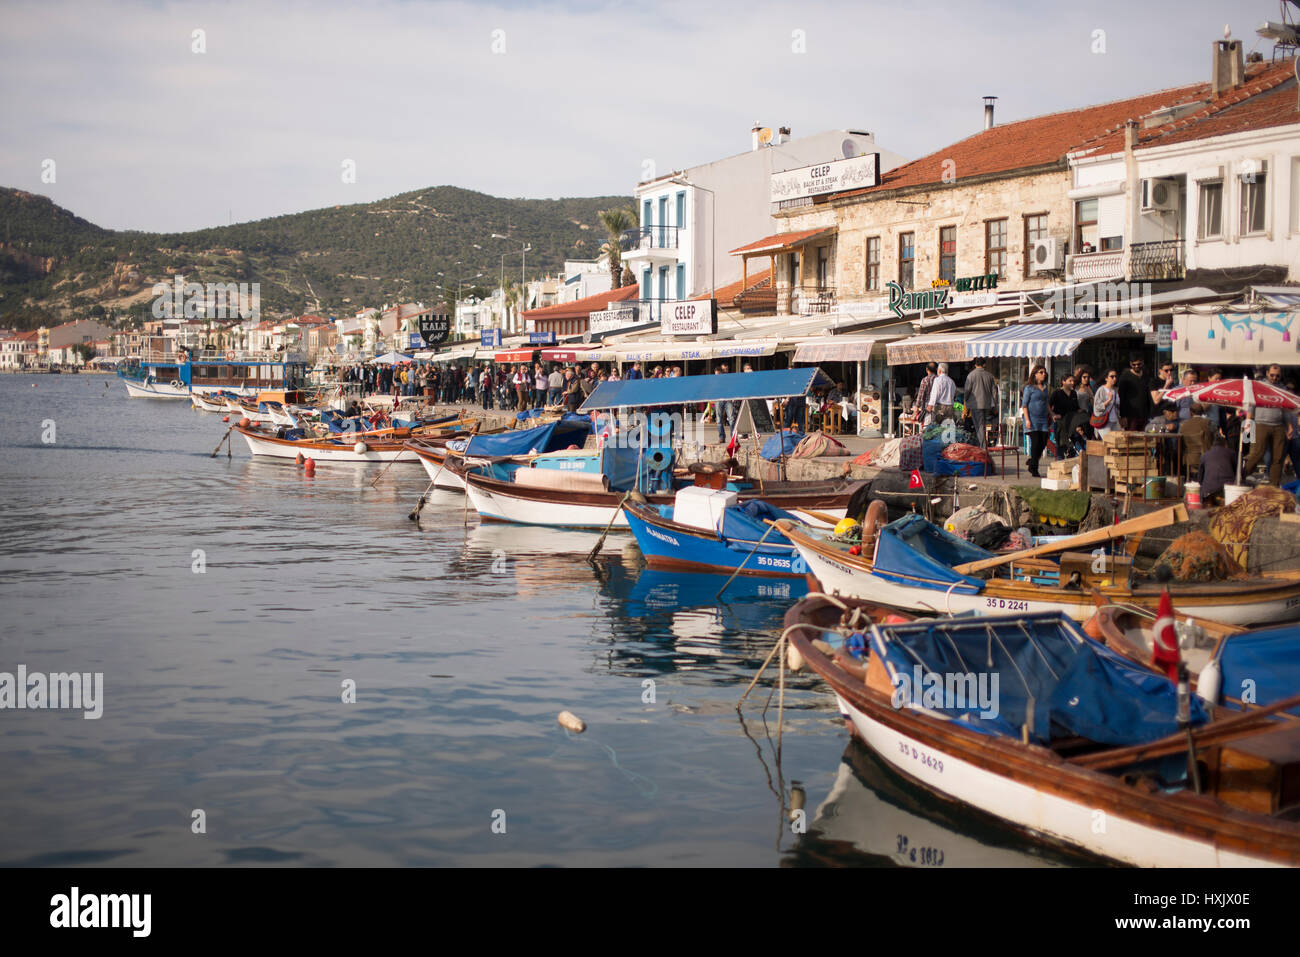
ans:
(1105, 405)
(1034, 409)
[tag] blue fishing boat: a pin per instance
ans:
(709, 530)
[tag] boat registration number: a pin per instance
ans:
(1006, 603)
(910, 853)
(918, 755)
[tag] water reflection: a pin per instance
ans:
(872, 817)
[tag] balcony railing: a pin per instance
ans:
(1158, 260)
(811, 300)
(1088, 267)
(649, 237)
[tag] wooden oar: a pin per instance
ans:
(1207, 735)
(830, 520)
(1165, 516)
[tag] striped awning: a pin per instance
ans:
(1040, 341)
(850, 350)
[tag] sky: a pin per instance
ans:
(143, 123)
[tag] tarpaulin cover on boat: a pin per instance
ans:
(916, 552)
(1267, 658)
(620, 466)
(1049, 676)
(640, 393)
(745, 523)
(544, 438)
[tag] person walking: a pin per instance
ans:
(1034, 412)
(923, 394)
(981, 398)
(540, 383)
(1063, 404)
(555, 386)
(943, 393)
(1135, 406)
(1105, 405)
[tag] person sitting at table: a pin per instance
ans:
(1165, 422)
(1197, 436)
(1217, 470)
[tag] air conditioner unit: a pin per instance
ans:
(1159, 195)
(1048, 255)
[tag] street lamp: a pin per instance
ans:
(523, 252)
(713, 225)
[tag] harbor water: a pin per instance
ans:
(296, 674)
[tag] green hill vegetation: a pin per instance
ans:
(55, 265)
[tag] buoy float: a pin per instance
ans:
(855, 549)
(360, 448)
(225, 418)
(793, 659)
(309, 467)
(244, 422)
(571, 721)
(299, 460)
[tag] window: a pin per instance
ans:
(873, 263)
(1209, 215)
(681, 208)
(948, 253)
(1085, 226)
(1035, 229)
(1112, 243)
(823, 266)
(646, 213)
(681, 280)
(1253, 200)
(906, 260)
(995, 246)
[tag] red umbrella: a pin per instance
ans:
(1239, 393)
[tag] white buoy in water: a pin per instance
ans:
(1207, 683)
(571, 721)
(359, 448)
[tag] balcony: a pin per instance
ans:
(1152, 262)
(1095, 267)
(812, 299)
(655, 244)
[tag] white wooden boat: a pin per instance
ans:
(356, 447)
(150, 389)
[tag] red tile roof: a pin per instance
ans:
(779, 241)
(581, 308)
(727, 294)
(1267, 99)
(1043, 140)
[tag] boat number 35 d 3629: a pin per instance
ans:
(919, 755)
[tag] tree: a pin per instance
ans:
(84, 351)
(616, 221)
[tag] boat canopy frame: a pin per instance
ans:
(684, 390)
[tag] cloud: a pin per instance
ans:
(148, 134)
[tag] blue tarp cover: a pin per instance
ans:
(1050, 675)
(620, 464)
(650, 393)
(789, 439)
(1269, 658)
(920, 553)
(745, 523)
(544, 438)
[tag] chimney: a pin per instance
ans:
(1130, 135)
(988, 112)
(783, 135)
(754, 132)
(1228, 69)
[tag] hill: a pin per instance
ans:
(55, 265)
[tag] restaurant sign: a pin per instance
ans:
(490, 338)
(434, 327)
(859, 172)
(964, 292)
(610, 320)
(698, 317)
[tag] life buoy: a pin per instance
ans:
(230, 355)
(177, 384)
(877, 516)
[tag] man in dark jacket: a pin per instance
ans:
(1217, 470)
(981, 399)
(1135, 407)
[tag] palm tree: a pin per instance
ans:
(616, 222)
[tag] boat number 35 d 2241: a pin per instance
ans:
(1006, 604)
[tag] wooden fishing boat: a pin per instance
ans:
(584, 504)
(150, 388)
(1051, 759)
(707, 530)
(916, 565)
(385, 445)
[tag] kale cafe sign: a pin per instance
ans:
(965, 292)
(434, 327)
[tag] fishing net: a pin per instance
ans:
(1197, 557)
(1232, 524)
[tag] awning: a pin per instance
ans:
(940, 347)
(518, 355)
(850, 350)
(452, 355)
(782, 242)
(1042, 340)
(743, 348)
(572, 354)
(680, 390)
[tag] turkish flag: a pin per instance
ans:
(914, 481)
(1164, 639)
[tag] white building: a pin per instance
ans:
(689, 220)
(582, 278)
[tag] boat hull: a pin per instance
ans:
(270, 446)
(673, 547)
(155, 390)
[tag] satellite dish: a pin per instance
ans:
(849, 149)
(765, 135)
